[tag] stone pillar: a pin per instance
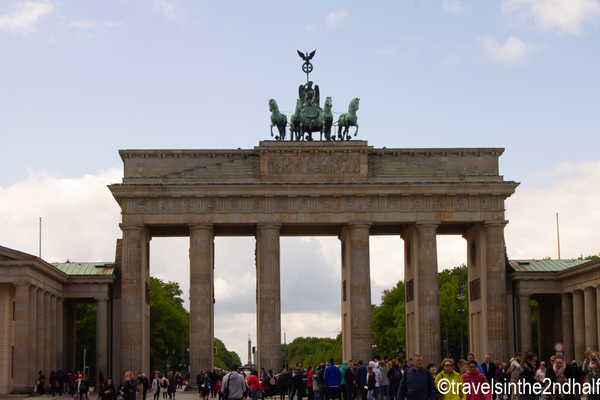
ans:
(60, 355)
(567, 326)
(598, 309)
(495, 283)
(525, 318)
(578, 325)
(53, 336)
(102, 335)
(48, 343)
(135, 288)
(356, 292)
(41, 332)
(428, 293)
(21, 350)
(591, 323)
(33, 365)
(201, 298)
(70, 329)
(268, 307)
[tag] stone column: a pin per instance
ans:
(201, 298)
(41, 331)
(268, 307)
(60, 355)
(497, 334)
(428, 292)
(578, 324)
(33, 365)
(134, 300)
(356, 278)
(598, 309)
(53, 336)
(21, 350)
(591, 323)
(48, 343)
(526, 334)
(102, 335)
(567, 325)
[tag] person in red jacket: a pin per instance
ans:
(476, 386)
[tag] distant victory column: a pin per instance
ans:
(249, 350)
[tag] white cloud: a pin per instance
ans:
(308, 28)
(563, 16)
(454, 6)
(87, 24)
(513, 51)
(25, 17)
(336, 18)
(572, 190)
(405, 52)
(167, 7)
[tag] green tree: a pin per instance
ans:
(388, 321)
(169, 321)
(312, 350)
(224, 358)
(85, 333)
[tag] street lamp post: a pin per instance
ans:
(461, 298)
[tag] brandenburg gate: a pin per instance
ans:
(346, 189)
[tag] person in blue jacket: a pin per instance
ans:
(361, 380)
(333, 380)
(417, 382)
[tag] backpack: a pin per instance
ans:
(397, 374)
(320, 377)
(164, 384)
(82, 387)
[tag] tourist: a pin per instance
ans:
(361, 380)
(343, 392)
(528, 376)
(454, 382)
(592, 375)
(82, 387)
(431, 367)
(475, 381)
(297, 377)
(100, 378)
(41, 384)
(471, 357)
(560, 372)
(489, 370)
(515, 370)
(282, 384)
(333, 380)
(395, 376)
(462, 366)
(53, 382)
(219, 387)
(139, 387)
(309, 382)
(172, 386)
(350, 381)
(254, 384)
(384, 384)
(371, 381)
(129, 386)
(204, 387)
(417, 382)
(164, 386)
(146, 385)
(156, 386)
(235, 384)
(108, 390)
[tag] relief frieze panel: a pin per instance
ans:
(416, 203)
(165, 205)
(211, 204)
(439, 203)
(371, 203)
(302, 204)
(189, 205)
(281, 204)
(313, 165)
(234, 204)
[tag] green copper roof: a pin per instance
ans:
(544, 265)
(74, 268)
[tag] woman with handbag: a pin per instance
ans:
(560, 372)
(108, 390)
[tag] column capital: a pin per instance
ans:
(22, 283)
(360, 224)
(523, 295)
(268, 225)
(101, 298)
(201, 226)
(590, 288)
(566, 294)
(131, 227)
(501, 223)
(427, 224)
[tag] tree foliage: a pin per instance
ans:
(224, 358)
(169, 324)
(85, 333)
(312, 350)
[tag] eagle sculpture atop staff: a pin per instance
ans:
(307, 67)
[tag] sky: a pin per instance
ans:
(80, 80)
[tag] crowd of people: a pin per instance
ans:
(380, 379)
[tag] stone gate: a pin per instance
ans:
(345, 189)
